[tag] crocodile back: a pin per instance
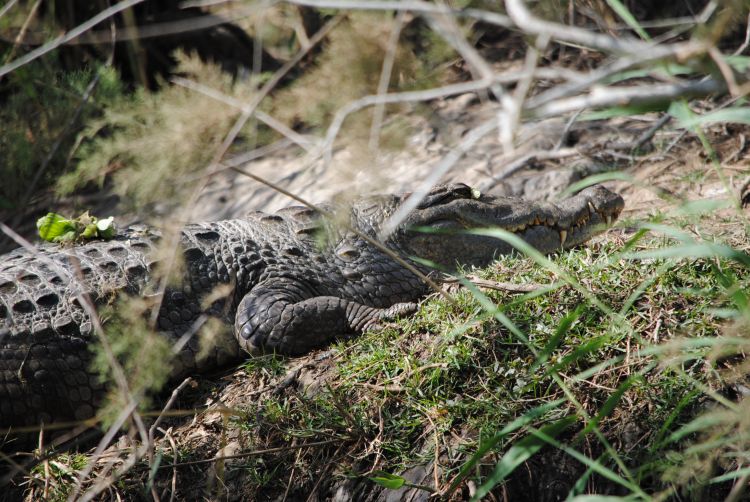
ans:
(40, 288)
(45, 330)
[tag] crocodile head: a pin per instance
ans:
(437, 229)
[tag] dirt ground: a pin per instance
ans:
(549, 157)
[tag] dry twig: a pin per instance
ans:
(497, 285)
(67, 37)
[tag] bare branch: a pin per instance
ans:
(271, 122)
(8, 5)
(385, 78)
(108, 437)
(445, 25)
(401, 97)
(600, 97)
(746, 42)
(532, 25)
(512, 105)
(22, 32)
(408, 5)
(534, 156)
(509, 287)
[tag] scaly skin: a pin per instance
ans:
(288, 290)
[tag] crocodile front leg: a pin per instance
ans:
(282, 316)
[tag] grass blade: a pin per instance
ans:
(628, 17)
(557, 337)
(486, 446)
(519, 453)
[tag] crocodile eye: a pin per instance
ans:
(461, 191)
(443, 194)
(347, 253)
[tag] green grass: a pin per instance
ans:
(58, 475)
(622, 355)
(270, 365)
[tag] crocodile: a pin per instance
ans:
(288, 282)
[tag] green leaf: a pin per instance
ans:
(582, 350)
(519, 453)
(738, 62)
(66, 237)
(659, 442)
(731, 475)
(628, 17)
(154, 469)
(698, 424)
(388, 480)
(689, 120)
(529, 250)
(52, 227)
(90, 232)
(704, 250)
(56, 228)
(596, 179)
(681, 111)
(666, 69)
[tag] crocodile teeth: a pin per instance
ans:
(591, 207)
(609, 219)
(563, 236)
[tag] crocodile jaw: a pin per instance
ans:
(546, 226)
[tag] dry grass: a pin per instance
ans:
(147, 139)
